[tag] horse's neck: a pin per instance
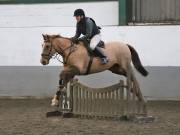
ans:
(62, 44)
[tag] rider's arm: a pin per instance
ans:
(89, 29)
(78, 33)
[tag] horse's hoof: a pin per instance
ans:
(54, 103)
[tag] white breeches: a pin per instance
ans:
(94, 41)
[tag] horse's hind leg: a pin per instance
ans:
(128, 72)
(116, 69)
(134, 83)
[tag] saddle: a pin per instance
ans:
(89, 50)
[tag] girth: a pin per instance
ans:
(91, 53)
(89, 65)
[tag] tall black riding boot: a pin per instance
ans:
(100, 53)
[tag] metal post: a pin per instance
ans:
(122, 12)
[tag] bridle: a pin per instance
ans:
(48, 55)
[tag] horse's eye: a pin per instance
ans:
(47, 47)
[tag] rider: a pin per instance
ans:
(91, 32)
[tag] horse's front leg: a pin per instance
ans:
(61, 88)
(65, 76)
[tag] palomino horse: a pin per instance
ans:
(76, 60)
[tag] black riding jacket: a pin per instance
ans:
(87, 27)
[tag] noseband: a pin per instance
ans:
(48, 55)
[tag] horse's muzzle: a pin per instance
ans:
(44, 62)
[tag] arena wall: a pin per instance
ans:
(21, 26)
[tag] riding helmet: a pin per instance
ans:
(79, 12)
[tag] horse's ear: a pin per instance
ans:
(45, 37)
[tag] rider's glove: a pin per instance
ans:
(74, 40)
(84, 38)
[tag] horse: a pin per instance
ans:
(76, 61)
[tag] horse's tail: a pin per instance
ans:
(136, 61)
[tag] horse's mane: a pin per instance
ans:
(58, 36)
(54, 36)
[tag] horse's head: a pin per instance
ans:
(62, 46)
(47, 50)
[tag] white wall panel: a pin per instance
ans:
(156, 45)
(38, 15)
